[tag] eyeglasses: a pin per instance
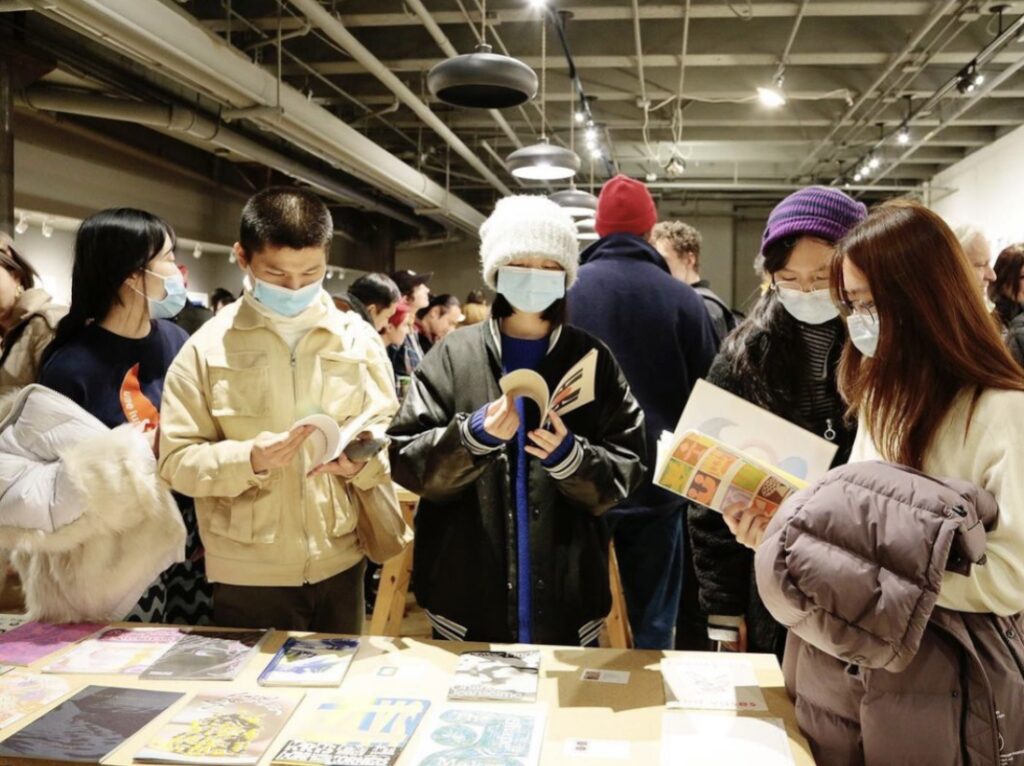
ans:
(792, 284)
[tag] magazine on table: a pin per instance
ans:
(720, 683)
(727, 453)
(117, 651)
(32, 641)
(207, 656)
(23, 693)
(466, 735)
(221, 728)
(354, 732)
(89, 726)
(310, 662)
(496, 675)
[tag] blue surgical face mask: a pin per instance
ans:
(531, 291)
(863, 332)
(283, 300)
(173, 302)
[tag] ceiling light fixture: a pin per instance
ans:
(543, 161)
(197, 251)
(903, 135)
(772, 96)
(22, 225)
(652, 177)
(577, 203)
(586, 230)
(482, 79)
(580, 116)
(47, 228)
(676, 167)
(969, 79)
(874, 163)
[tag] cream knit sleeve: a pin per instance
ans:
(991, 455)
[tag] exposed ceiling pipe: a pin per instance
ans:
(171, 41)
(757, 186)
(334, 29)
(995, 82)
(445, 45)
(937, 15)
(177, 119)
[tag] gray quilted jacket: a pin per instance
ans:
(881, 675)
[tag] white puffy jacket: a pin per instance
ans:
(88, 522)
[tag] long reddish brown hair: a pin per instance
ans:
(937, 340)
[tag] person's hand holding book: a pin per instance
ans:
(547, 442)
(271, 451)
(502, 419)
(747, 524)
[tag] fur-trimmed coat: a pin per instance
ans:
(83, 512)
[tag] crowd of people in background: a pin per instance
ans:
(892, 589)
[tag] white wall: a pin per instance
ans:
(986, 189)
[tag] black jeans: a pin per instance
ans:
(334, 605)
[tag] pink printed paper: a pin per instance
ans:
(35, 640)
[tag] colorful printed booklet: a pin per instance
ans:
(354, 732)
(575, 390)
(231, 728)
(23, 694)
(310, 662)
(117, 651)
(502, 676)
(207, 656)
(34, 640)
(89, 726)
(728, 454)
(724, 683)
(463, 735)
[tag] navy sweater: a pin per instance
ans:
(657, 328)
(92, 367)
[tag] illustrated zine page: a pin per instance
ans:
(467, 735)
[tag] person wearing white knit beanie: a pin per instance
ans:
(511, 545)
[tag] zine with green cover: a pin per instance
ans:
(354, 732)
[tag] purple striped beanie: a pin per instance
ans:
(815, 211)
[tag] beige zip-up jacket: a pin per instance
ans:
(237, 378)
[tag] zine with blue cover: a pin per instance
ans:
(310, 662)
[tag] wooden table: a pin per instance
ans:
(576, 709)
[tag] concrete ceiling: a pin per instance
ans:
(853, 73)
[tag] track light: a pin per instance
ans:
(772, 96)
(591, 133)
(47, 228)
(874, 163)
(652, 177)
(231, 258)
(903, 135)
(580, 116)
(857, 177)
(197, 251)
(595, 153)
(676, 167)
(22, 225)
(969, 79)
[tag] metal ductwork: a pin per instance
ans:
(170, 41)
(178, 119)
(333, 28)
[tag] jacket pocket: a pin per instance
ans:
(239, 384)
(343, 514)
(252, 517)
(344, 375)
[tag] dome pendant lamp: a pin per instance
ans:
(483, 79)
(576, 202)
(543, 161)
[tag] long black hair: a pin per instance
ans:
(110, 247)
(765, 353)
(376, 290)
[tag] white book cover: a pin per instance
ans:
(471, 735)
(496, 675)
(722, 683)
(715, 739)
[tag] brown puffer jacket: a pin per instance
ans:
(881, 676)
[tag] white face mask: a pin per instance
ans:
(815, 307)
(863, 332)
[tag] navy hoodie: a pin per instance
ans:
(657, 328)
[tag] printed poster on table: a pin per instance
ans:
(117, 651)
(34, 640)
(496, 675)
(354, 732)
(23, 694)
(89, 726)
(467, 735)
(233, 728)
(722, 683)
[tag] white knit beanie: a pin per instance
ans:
(525, 226)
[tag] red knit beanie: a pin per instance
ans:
(625, 207)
